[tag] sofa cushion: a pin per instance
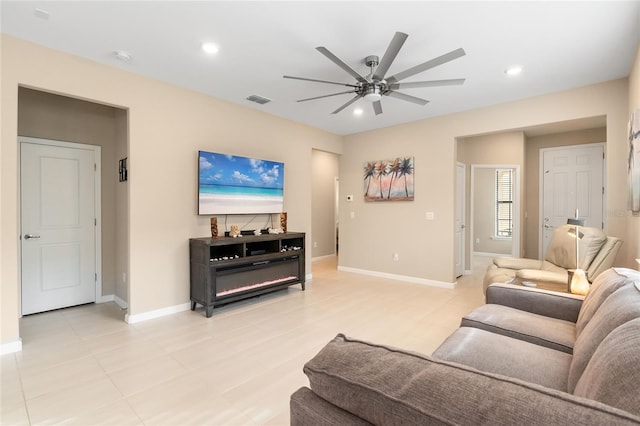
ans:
(603, 286)
(537, 329)
(562, 248)
(612, 375)
(308, 409)
(494, 353)
(621, 306)
(388, 386)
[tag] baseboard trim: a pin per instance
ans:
(11, 347)
(404, 278)
(105, 298)
(145, 316)
(120, 302)
(482, 253)
(308, 277)
(327, 256)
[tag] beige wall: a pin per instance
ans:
(325, 167)
(632, 221)
(426, 247)
(167, 125)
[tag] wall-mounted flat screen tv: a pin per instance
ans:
(229, 184)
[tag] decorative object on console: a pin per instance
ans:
(235, 231)
(214, 227)
(578, 283)
(230, 184)
(389, 180)
(283, 221)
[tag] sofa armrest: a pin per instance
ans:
(542, 275)
(384, 385)
(517, 263)
(549, 303)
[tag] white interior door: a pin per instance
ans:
(460, 219)
(572, 178)
(58, 224)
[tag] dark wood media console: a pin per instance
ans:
(227, 269)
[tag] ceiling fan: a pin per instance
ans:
(374, 85)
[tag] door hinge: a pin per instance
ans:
(95, 277)
(603, 190)
(95, 167)
(95, 222)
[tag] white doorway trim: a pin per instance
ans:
(460, 219)
(97, 204)
(515, 238)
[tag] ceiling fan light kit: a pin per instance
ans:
(373, 86)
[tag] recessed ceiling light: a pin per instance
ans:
(515, 70)
(41, 13)
(121, 55)
(210, 48)
(357, 111)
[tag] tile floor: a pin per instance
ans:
(86, 366)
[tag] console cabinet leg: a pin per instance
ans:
(302, 285)
(209, 311)
(193, 305)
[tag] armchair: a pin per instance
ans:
(597, 253)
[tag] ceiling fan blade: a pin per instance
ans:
(407, 98)
(392, 51)
(326, 96)
(346, 105)
(341, 64)
(454, 54)
(432, 83)
(377, 107)
(318, 81)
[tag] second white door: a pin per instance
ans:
(58, 224)
(572, 178)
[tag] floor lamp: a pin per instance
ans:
(578, 283)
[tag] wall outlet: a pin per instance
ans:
(315, 244)
(477, 240)
(124, 277)
(352, 214)
(429, 215)
(396, 257)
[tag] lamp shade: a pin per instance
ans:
(576, 222)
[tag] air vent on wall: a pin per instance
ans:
(258, 99)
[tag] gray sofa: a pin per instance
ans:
(528, 356)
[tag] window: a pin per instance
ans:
(504, 203)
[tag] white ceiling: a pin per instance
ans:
(560, 45)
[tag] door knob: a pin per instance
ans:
(30, 236)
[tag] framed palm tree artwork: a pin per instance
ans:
(389, 180)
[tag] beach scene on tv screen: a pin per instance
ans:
(229, 184)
